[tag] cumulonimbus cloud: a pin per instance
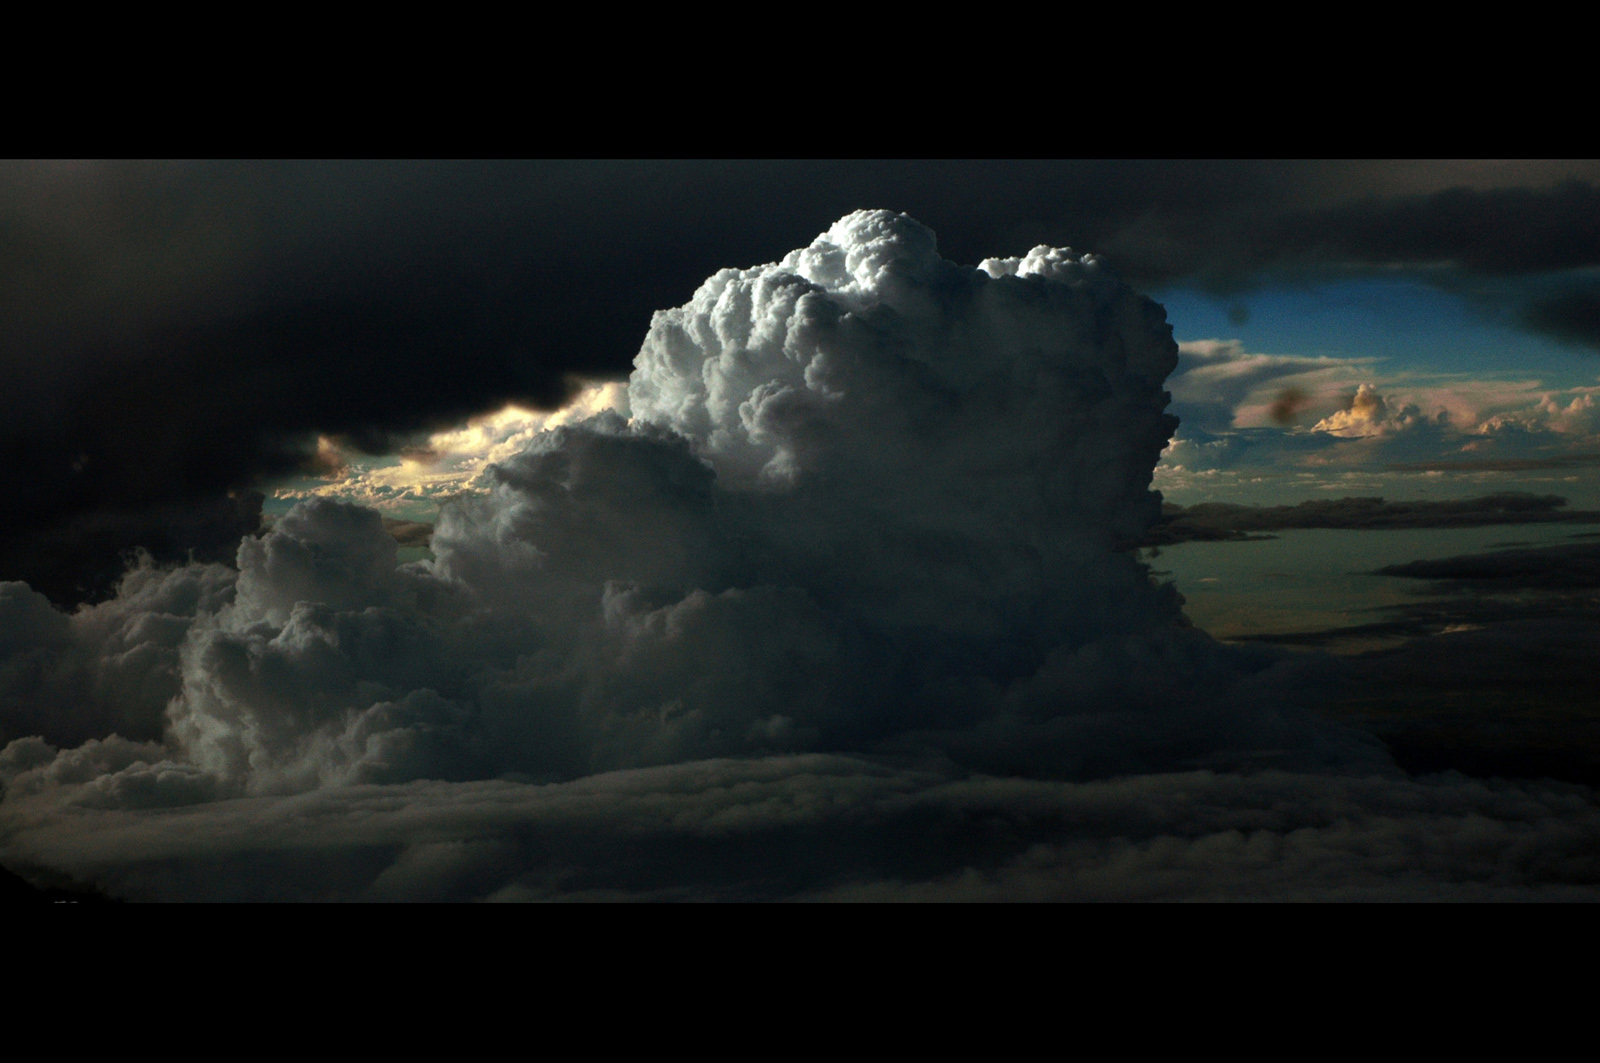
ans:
(864, 492)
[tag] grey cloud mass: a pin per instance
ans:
(841, 828)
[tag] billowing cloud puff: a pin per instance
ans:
(868, 362)
(1369, 415)
(884, 408)
(1554, 415)
(110, 667)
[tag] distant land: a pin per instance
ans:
(1228, 522)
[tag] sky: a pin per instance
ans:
(897, 530)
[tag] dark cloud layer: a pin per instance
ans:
(179, 330)
(842, 828)
(1493, 231)
(1495, 673)
(1224, 521)
(1454, 606)
(408, 533)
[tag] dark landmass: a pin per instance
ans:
(1507, 700)
(1472, 591)
(1442, 615)
(1495, 676)
(1227, 522)
(1511, 697)
(1565, 567)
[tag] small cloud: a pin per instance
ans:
(1364, 414)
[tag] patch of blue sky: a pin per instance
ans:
(1408, 323)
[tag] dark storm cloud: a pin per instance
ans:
(1502, 248)
(82, 556)
(1224, 521)
(1491, 231)
(1573, 317)
(179, 330)
(1305, 218)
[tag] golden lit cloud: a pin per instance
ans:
(451, 461)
